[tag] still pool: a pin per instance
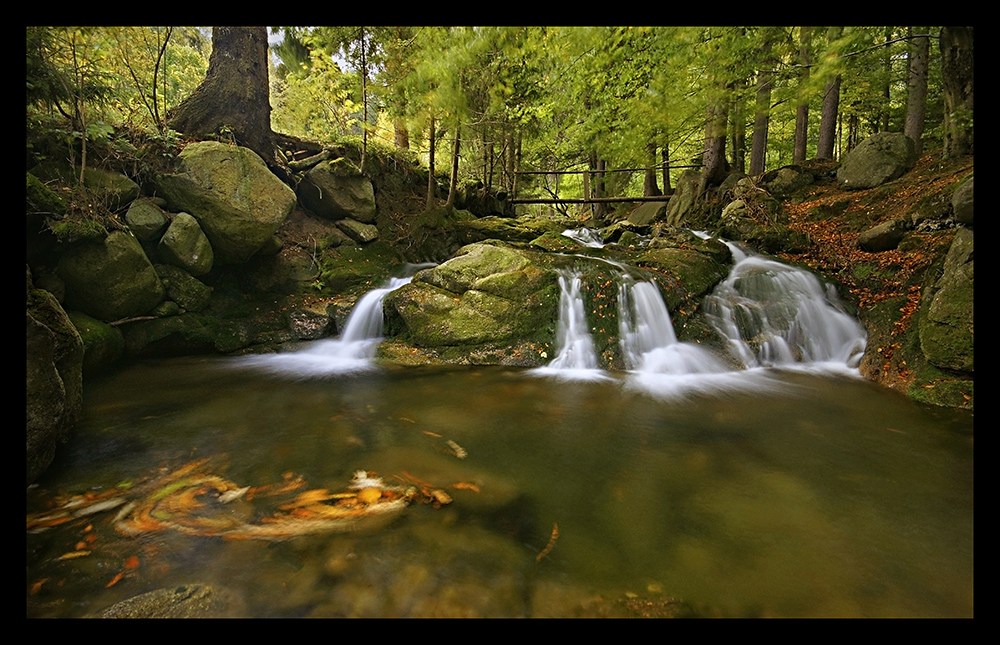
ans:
(793, 495)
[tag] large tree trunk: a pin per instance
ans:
(802, 110)
(233, 98)
(957, 75)
(916, 89)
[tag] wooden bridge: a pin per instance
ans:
(589, 199)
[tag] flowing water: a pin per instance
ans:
(682, 486)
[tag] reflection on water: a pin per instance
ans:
(812, 496)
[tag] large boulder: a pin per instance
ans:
(336, 189)
(110, 279)
(238, 202)
(946, 316)
(486, 293)
(54, 385)
(876, 160)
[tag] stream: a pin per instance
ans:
(681, 487)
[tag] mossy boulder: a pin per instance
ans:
(237, 200)
(110, 279)
(54, 385)
(946, 316)
(876, 160)
(103, 344)
(336, 189)
(185, 245)
(486, 294)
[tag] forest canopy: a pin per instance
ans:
(535, 97)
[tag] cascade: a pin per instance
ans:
(775, 315)
(577, 357)
(351, 352)
(585, 236)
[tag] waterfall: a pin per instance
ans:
(351, 352)
(577, 357)
(775, 315)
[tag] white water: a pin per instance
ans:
(772, 314)
(585, 236)
(351, 352)
(577, 357)
(775, 315)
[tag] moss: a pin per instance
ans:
(78, 229)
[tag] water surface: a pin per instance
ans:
(787, 494)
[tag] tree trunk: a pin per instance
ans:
(401, 134)
(957, 76)
(453, 183)
(886, 111)
(713, 160)
(508, 161)
(802, 110)
(665, 155)
(762, 117)
(431, 182)
(916, 89)
(828, 119)
(234, 95)
(649, 187)
(739, 133)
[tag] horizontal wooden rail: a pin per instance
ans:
(596, 172)
(592, 200)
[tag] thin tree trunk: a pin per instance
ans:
(453, 183)
(364, 100)
(916, 89)
(431, 182)
(802, 109)
(649, 187)
(665, 155)
(739, 134)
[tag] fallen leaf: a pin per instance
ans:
(73, 554)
